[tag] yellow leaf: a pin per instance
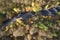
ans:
(32, 22)
(58, 13)
(6, 28)
(44, 16)
(19, 21)
(57, 3)
(34, 9)
(16, 10)
(32, 4)
(46, 7)
(28, 8)
(23, 24)
(11, 26)
(17, 24)
(49, 17)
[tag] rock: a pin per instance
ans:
(42, 33)
(39, 38)
(16, 1)
(25, 38)
(18, 32)
(33, 30)
(49, 35)
(21, 38)
(2, 33)
(58, 24)
(29, 37)
(27, 29)
(6, 38)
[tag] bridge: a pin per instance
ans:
(27, 15)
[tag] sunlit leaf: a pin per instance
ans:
(32, 3)
(6, 28)
(17, 10)
(19, 21)
(44, 27)
(46, 7)
(34, 9)
(28, 8)
(11, 25)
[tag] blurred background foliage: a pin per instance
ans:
(47, 27)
